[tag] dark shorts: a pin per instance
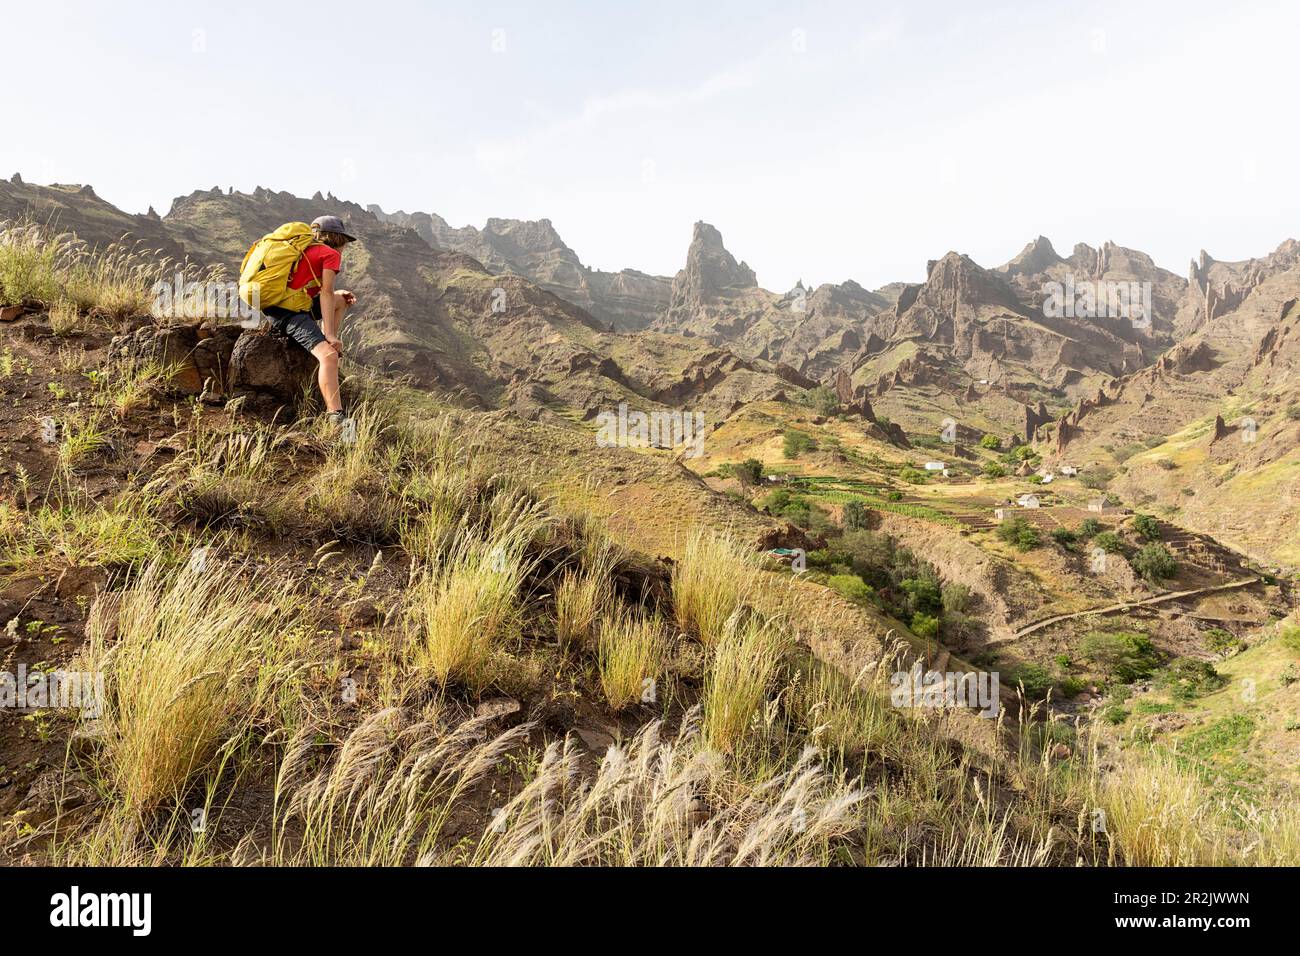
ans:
(302, 327)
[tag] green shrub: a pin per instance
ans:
(1147, 527)
(1088, 528)
(1293, 412)
(956, 598)
(1289, 635)
(992, 469)
(1072, 686)
(1221, 640)
(1186, 679)
(1114, 715)
(1096, 477)
(1019, 533)
(1033, 677)
(852, 587)
(749, 471)
(795, 443)
(823, 400)
(1122, 656)
(913, 476)
(856, 516)
(991, 442)
(1154, 562)
(1063, 536)
(1109, 542)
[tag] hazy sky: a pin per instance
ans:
(826, 141)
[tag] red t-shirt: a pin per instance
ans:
(311, 268)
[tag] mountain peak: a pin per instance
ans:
(710, 267)
(1037, 256)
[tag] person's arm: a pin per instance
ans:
(328, 320)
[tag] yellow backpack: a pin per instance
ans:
(269, 264)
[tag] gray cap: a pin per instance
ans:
(332, 224)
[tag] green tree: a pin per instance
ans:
(925, 625)
(1122, 656)
(851, 587)
(749, 471)
(991, 442)
(856, 516)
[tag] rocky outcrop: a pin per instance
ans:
(1035, 417)
(710, 269)
(221, 362)
(1221, 429)
(1186, 359)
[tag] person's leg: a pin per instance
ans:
(327, 375)
(306, 333)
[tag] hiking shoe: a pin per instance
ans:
(336, 418)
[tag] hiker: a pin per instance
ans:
(291, 273)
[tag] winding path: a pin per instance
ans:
(1126, 605)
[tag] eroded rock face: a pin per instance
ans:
(220, 362)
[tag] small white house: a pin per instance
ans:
(1000, 514)
(1027, 501)
(1069, 471)
(934, 466)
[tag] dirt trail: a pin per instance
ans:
(1126, 605)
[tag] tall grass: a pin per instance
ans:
(469, 606)
(669, 803)
(125, 532)
(1156, 814)
(55, 269)
(386, 798)
(189, 661)
(581, 598)
(711, 579)
(31, 261)
(746, 661)
(631, 652)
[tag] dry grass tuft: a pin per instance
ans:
(746, 661)
(674, 803)
(630, 653)
(189, 661)
(710, 581)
